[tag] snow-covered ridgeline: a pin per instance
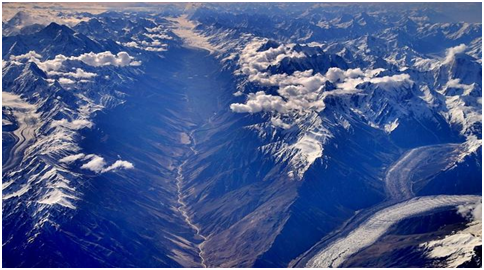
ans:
(48, 160)
(299, 102)
(292, 99)
(453, 86)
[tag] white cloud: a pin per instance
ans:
(451, 52)
(298, 92)
(155, 45)
(107, 58)
(119, 164)
(97, 164)
(348, 80)
(238, 94)
(66, 81)
(353, 73)
(49, 65)
(335, 75)
(71, 158)
(158, 36)
(153, 49)
(252, 61)
(158, 33)
(28, 56)
(477, 212)
(131, 44)
(260, 102)
(301, 91)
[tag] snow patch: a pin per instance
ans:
(56, 196)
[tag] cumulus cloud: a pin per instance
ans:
(66, 81)
(107, 58)
(158, 36)
(131, 44)
(302, 90)
(97, 164)
(260, 102)
(349, 79)
(155, 49)
(158, 32)
(28, 56)
(72, 158)
(335, 75)
(451, 52)
(56, 67)
(119, 164)
(153, 41)
(297, 92)
(253, 61)
(154, 46)
(50, 65)
(301, 96)
(238, 94)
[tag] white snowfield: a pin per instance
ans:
(376, 226)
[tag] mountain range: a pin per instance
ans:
(243, 135)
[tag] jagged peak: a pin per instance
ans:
(268, 45)
(54, 28)
(32, 67)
